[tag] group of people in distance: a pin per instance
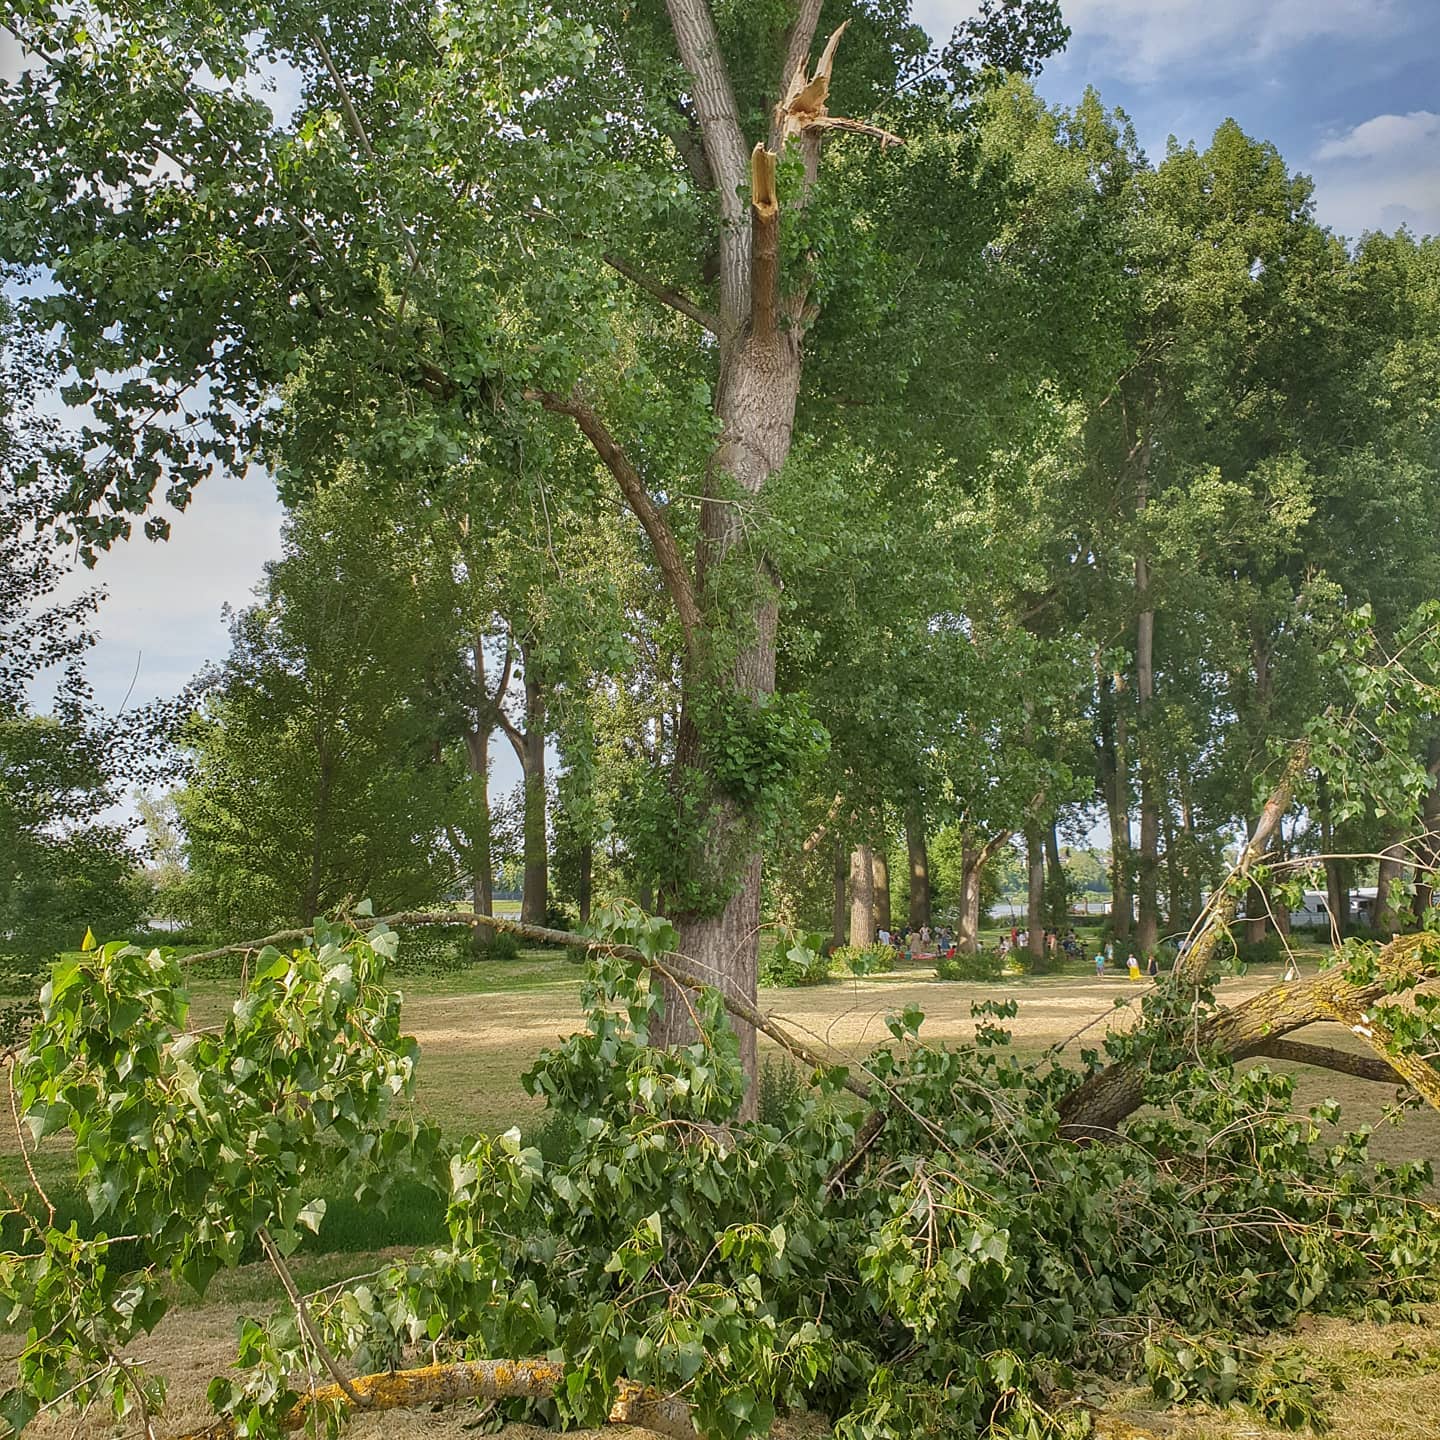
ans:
(920, 943)
(1106, 956)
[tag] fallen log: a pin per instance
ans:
(474, 1380)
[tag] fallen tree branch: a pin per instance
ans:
(1327, 1057)
(1099, 1105)
(476, 1380)
(678, 967)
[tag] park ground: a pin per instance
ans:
(482, 1026)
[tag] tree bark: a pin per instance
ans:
(967, 928)
(1035, 908)
(1107, 1098)
(1057, 886)
(535, 897)
(862, 895)
(880, 869)
(840, 908)
(919, 914)
(1387, 917)
(1147, 924)
(1115, 781)
(1428, 849)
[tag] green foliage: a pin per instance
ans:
(982, 965)
(502, 945)
(799, 960)
(1270, 949)
(874, 959)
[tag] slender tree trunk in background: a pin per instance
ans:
(1257, 918)
(587, 871)
(880, 869)
(1147, 870)
(1388, 918)
(1057, 888)
(1174, 877)
(1190, 860)
(645, 896)
(1337, 896)
(862, 896)
(535, 900)
(1035, 916)
(840, 906)
(919, 867)
(1428, 848)
(482, 872)
(967, 929)
(1114, 775)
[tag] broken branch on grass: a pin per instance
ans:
(634, 1404)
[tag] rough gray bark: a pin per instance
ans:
(1035, 855)
(918, 853)
(1115, 785)
(880, 869)
(862, 895)
(530, 750)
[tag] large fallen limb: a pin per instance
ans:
(476, 1380)
(1327, 1057)
(673, 967)
(1245, 1030)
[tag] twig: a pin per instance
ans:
(20, 1136)
(307, 1321)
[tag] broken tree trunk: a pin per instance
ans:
(1099, 1105)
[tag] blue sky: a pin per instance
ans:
(1346, 88)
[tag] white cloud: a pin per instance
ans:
(160, 621)
(1383, 137)
(1381, 174)
(1141, 39)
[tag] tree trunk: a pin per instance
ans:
(1035, 852)
(587, 871)
(840, 909)
(862, 895)
(880, 869)
(1057, 886)
(919, 867)
(1387, 917)
(759, 332)
(535, 897)
(967, 929)
(482, 871)
(1115, 781)
(1428, 849)
(1147, 925)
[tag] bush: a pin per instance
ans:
(1269, 951)
(502, 945)
(796, 965)
(873, 959)
(984, 965)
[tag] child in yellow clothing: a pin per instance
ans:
(1134, 968)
